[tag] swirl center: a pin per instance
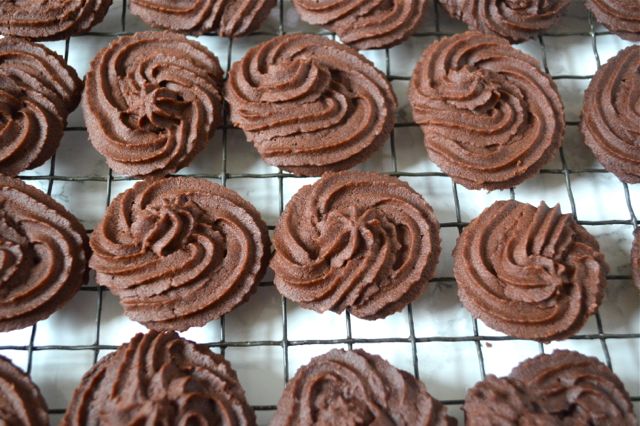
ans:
(167, 227)
(297, 80)
(531, 6)
(343, 234)
(472, 89)
(626, 103)
(10, 105)
(172, 397)
(155, 107)
(534, 265)
(16, 257)
(333, 399)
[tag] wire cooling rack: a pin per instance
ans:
(412, 341)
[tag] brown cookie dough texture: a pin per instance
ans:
(611, 117)
(564, 388)
(357, 388)
(515, 20)
(491, 118)
(532, 273)
(227, 18)
(152, 101)
(43, 255)
(365, 24)
(309, 104)
(619, 16)
(160, 379)
(50, 19)
(635, 258)
(20, 400)
(179, 252)
(356, 241)
(37, 92)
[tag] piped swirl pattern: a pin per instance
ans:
(227, 18)
(620, 16)
(564, 388)
(358, 241)
(357, 388)
(611, 115)
(37, 92)
(20, 400)
(152, 101)
(490, 117)
(179, 252)
(43, 255)
(532, 273)
(515, 20)
(365, 24)
(50, 19)
(310, 104)
(160, 379)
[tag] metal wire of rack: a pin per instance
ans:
(413, 339)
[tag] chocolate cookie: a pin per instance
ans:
(20, 400)
(491, 118)
(359, 241)
(179, 252)
(227, 18)
(635, 258)
(50, 20)
(619, 16)
(43, 255)
(152, 101)
(37, 92)
(309, 104)
(532, 273)
(515, 20)
(160, 378)
(357, 388)
(564, 388)
(610, 116)
(364, 24)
